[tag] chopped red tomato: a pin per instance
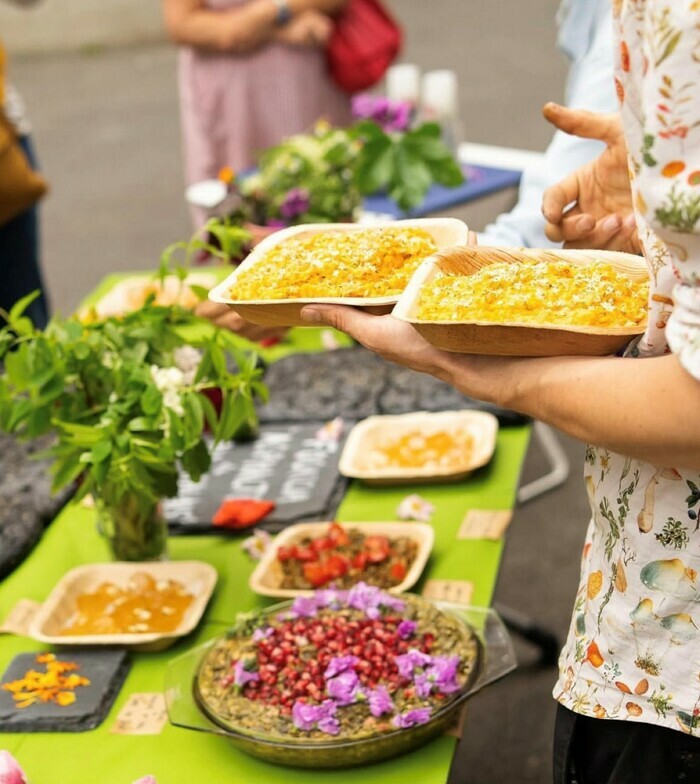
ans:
(377, 548)
(285, 553)
(397, 571)
(359, 561)
(322, 543)
(316, 573)
(303, 553)
(338, 535)
(337, 565)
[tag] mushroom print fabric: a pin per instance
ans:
(633, 650)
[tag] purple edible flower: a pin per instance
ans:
(295, 203)
(306, 717)
(262, 634)
(363, 106)
(330, 597)
(443, 673)
(339, 664)
(241, 675)
(410, 661)
(390, 115)
(392, 603)
(344, 687)
(379, 701)
(370, 599)
(411, 718)
(423, 685)
(406, 629)
(304, 607)
(329, 725)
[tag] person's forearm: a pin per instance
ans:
(236, 30)
(643, 408)
(323, 6)
(232, 30)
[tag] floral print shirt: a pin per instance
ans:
(633, 650)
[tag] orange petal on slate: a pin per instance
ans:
(241, 512)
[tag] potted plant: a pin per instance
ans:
(126, 400)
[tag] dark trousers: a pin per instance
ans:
(605, 751)
(20, 272)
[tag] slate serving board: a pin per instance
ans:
(286, 464)
(106, 670)
(354, 383)
(26, 502)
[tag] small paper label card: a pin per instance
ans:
(455, 591)
(143, 713)
(485, 524)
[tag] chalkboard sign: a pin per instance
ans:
(286, 464)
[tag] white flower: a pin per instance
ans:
(169, 382)
(329, 341)
(187, 359)
(413, 507)
(332, 431)
(257, 545)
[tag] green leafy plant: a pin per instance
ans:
(127, 398)
(321, 177)
(221, 238)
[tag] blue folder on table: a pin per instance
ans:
(480, 181)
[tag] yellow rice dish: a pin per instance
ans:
(360, 263)
(537, 292)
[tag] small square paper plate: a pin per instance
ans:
(55, 614)
(131, 293)
(266, 579)
(368, 434)
(445, 232)
(514, 338)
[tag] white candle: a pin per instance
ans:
(439, 95)
(403, 83)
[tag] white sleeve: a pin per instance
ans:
(590, 85)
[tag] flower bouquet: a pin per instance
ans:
(322, 176)
(127, 401)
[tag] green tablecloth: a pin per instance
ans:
(178, 756)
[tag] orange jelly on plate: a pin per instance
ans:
(143, 605)
(417, 449)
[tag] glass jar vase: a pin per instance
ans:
(134, 532)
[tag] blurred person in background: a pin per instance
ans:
(585, 36)
(20, 269)
(251, 72)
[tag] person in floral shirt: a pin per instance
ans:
(629, 683)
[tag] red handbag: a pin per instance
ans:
(364, 43)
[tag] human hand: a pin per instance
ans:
(307, 29)
(602, 215)
(222, 316)
(487, 378)
(392, 339)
